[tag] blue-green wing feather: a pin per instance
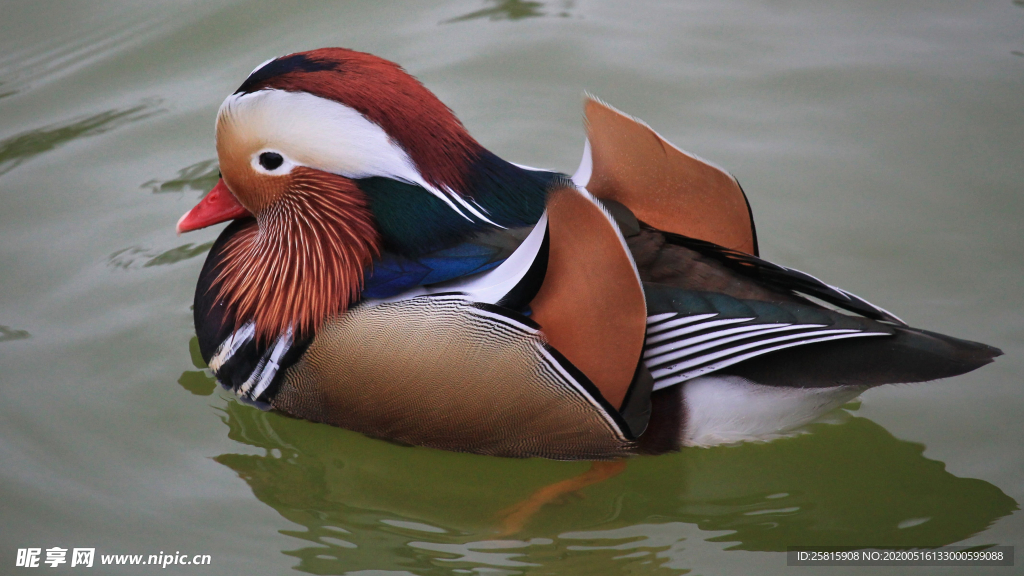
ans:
(393, 273)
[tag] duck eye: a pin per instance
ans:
(271, 160)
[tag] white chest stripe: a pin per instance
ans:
(267, 368)
(231, 345)
(261, 376)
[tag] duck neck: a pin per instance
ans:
(412, 221)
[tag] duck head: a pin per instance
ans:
(299, 144)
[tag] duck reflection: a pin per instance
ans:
(367, 504)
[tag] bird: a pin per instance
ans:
(384, 272)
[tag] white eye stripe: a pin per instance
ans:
(311, 131)
(316, 132)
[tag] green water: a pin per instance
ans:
(881, 145)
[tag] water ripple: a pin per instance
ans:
(201, 176)
(19, 148)
(128, 258)
(479, 552)
(7, 333)
(38, 65)
(509, 10)
(654, 536)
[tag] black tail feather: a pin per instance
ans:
(912, 355)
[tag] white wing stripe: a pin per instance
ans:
(690, 351)
(695, 328)
(752, 329)
(682, 321)
(730, 351)
(676, 379)
(490, 286)
(659, 317)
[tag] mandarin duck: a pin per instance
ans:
(386, 273)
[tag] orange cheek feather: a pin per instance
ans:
(302, 260)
